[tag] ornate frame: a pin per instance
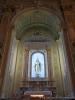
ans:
(31, 52)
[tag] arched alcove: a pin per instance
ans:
(37, 30)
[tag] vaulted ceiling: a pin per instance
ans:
(38, 20)
(43, 19)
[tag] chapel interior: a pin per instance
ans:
(37, 49)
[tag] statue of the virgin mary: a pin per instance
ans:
(37, 67)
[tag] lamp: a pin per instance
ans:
(35, 96)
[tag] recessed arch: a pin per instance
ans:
(47, 19)
(37, 17)
(37, 65)
(50, 10)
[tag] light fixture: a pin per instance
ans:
(35, 96)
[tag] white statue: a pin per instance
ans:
(37, 67)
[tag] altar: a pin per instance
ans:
(37, 93)
(37, 89)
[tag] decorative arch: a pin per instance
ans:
(31, 18)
